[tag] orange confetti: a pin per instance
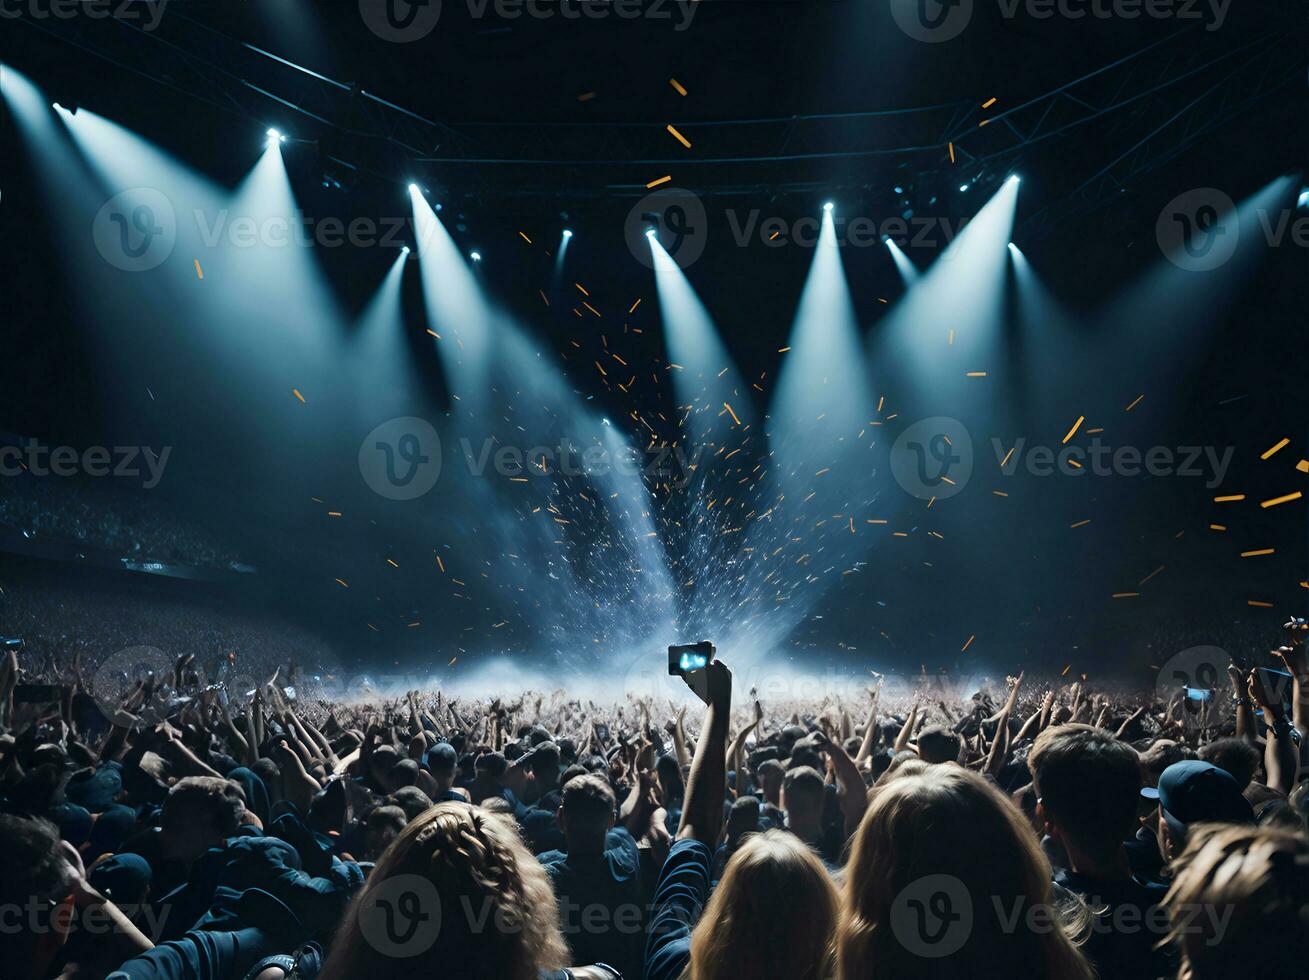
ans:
(661, 180)
(1286, 498)
(1073, 431)
(678, 136)
(681, 90)
(1270, 452)
(296, 392)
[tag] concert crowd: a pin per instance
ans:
(166, 826)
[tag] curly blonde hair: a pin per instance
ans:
(495, 914)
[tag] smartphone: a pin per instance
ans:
(1279, 684)
(1198, 694)
(683, 658)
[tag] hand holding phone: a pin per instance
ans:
(685, 658)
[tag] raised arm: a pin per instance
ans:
(706, 788)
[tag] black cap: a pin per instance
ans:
(1198, 792)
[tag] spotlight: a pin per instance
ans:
(898, 189)
(275, 137)
(1013, 247)
(1303, 199)
(404, 249)
(828, 206)
(413, 189)
(567, 233)
(1015, 179)
(649, 233)
(475, 256)
(886, 240)
(963, 187)
(71, 108)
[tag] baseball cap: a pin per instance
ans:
(1198, 792)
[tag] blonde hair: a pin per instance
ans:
(1240, 898)
(497, 914)
(773, 914)
(951, 823)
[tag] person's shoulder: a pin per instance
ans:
(551, 858)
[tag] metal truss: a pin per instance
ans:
(1138, 113)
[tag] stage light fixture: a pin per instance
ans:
(898, 189)
(649, 233)
(1303, 199)
(567, 233)
(828, 206)
(413, 189)
(963, 187)
(1015, 179)
(275, 136)
(1013, 247)
(404, 249)
(475, 256)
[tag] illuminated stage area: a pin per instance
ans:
(890, 402)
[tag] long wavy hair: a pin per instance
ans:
(933, 842)
(479, 906)
(773, 914)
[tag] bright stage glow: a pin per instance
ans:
(828, 206)
(1013, 247)
(475, 256)
(1303, 199)
(1015, 179)
(649, 233)
(404, 250)
(275, 137)
(963, 187)
(567, 233)
(413, 188)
